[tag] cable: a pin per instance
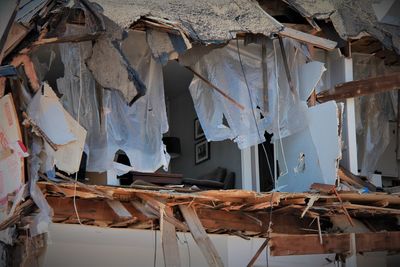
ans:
(278, 111)
(251, 103)
(155, 247)
(188, 249)
(79, 109)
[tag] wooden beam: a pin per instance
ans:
(361, 87)
(201, 237)
(155, 206)
(29, 69)
(169, 241)
(308, 38)
(67, 39)
(367, 242)
(119, 209)
(284, 245)
(230, 99)
(255, 257)
(354, 180)
(233, 220)
(16, 35)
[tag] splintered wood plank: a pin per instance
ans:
(284, 245)
(119, 209)
(255, 257)
(232, 220)
(169, 241)
(308, 38)
(200, 236)
(367, 242)
(361, 87)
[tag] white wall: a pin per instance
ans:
(76, 245)
(181, 116)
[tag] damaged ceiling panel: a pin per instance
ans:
(350, 19)
(204, 21)
(311, 156)
(66, 136)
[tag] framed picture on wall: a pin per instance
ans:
(201, 151)
(198, 131)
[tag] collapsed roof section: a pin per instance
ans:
(351, 19)
(203, 21)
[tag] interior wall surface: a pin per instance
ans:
(76, 245)
(181, 116)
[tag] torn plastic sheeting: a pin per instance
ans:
(373, 113)
(319, 144)
(223, 68)
(113, 125)
(41, 221)
(77, 76)
(42, 109)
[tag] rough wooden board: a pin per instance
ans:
(361, 87)
(15, 36)
(366, 242)
(308, 38)
(200, 236)
(156, 207)
(354, 180)
(29, 68)
(284, 245)
(255, 257)
(120, 210)
(89, 209)
(169, 240)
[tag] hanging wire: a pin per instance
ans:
(251, 103)
(79, 112)
(278, 111)
(262, 144)
(155, 247)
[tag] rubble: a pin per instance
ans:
(82, 84)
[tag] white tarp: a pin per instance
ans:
(275, 108)
(113, 125)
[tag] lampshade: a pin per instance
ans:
(173, 145)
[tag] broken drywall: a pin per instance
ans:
(111, 69)
(165, 46)
(311, 155)
(310, 75)
(48, 114)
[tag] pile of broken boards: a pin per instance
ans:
(323, 218)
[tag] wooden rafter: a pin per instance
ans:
(361, 87)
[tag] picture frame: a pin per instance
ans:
(201, 151)
(198, 130)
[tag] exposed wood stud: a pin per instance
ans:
(200, 236)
